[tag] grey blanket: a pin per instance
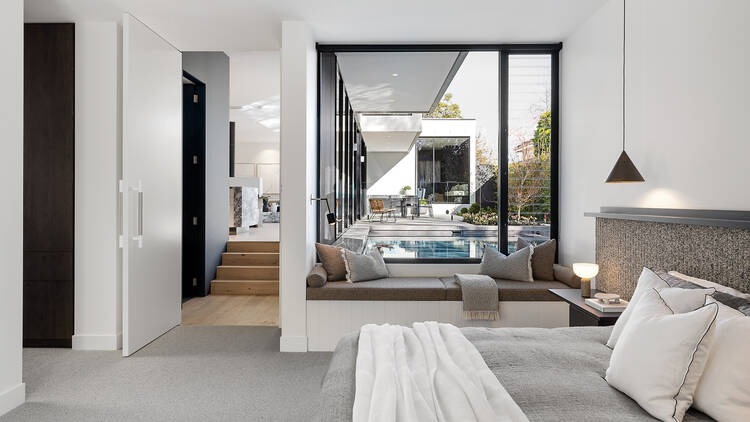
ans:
(553, 374)
(480, 296)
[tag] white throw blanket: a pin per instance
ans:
(430, 372)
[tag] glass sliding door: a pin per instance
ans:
(339, 153)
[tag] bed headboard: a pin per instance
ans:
(709, 244)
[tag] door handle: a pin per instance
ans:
(139, 234)
(121, 189)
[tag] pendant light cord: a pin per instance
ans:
(623, 73)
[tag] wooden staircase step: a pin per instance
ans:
(245, 287)
(250, 258)
(247, 272)
(250, 246)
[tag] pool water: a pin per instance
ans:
(435, 248)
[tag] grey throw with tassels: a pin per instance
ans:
(480, 296)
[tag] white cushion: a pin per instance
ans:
(661, 355)
(723, 391)
(690, 300)
(709, 284)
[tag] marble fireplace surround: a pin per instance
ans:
(708, 244)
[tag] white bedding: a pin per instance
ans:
(429, 372)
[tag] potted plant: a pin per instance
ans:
(406, 190)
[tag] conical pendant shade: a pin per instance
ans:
(624, 171)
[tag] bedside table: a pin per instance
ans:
(582, 315)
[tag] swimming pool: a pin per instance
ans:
(445, 248)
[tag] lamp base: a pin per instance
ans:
(585, 287)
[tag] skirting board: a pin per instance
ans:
(97, 342)
(293, 344)
(329, 320)
(12, 398)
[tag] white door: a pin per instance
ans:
(152, 185)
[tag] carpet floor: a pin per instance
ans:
(188, 374)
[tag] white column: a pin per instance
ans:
(98, 304)
(12, 390)
(298, 179)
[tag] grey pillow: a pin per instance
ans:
(542, 260)
(359, 267)
(735, 302)
(318, 276)
(516, 266)
(333, 261)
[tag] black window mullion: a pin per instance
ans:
(502, 200)
(554, 148)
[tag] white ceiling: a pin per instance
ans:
(395, 82)
(245, 25)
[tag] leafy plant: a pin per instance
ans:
(446, 109)
(474, 208)
(464, 210)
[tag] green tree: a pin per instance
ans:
(542, 135)
(529, 188)
(446, 109)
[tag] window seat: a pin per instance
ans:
(439, 289)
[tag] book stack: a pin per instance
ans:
(607, 307)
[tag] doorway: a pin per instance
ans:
(193, 186)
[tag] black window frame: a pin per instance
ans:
(503, 50)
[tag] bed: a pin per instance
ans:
(552, 374)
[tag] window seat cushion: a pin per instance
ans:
(392, 288)
(512, 291)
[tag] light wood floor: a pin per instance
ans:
(231, 310)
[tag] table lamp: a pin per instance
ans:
(586, 272)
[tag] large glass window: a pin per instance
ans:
(478, 169)
(529, 148)
(443, 169)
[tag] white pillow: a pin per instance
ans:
(661, 355)
(709, 284)
(679, 303)
(723, 391)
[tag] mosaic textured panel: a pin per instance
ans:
(624, 247)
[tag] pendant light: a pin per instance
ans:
(624, 170)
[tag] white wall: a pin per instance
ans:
(212, 68)
(259, 159)
(12, 390)
(687, 91)
(98, 281)
(388, 172)
(298, 178)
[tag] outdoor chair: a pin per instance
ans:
(427, 205)
(377, 208)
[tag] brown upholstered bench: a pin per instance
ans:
(394, 288)
(512, 291)
(440, 289)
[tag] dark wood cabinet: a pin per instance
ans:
(48, 187)
(582, 315)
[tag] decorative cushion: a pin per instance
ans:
(542, 259)
(691, 300)
(333, 261)
(364, 267)
(516, 266)
(738, 303)
(567, 276)
(723, 391)
(661, 355)
(709, 284)
(317, 277)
